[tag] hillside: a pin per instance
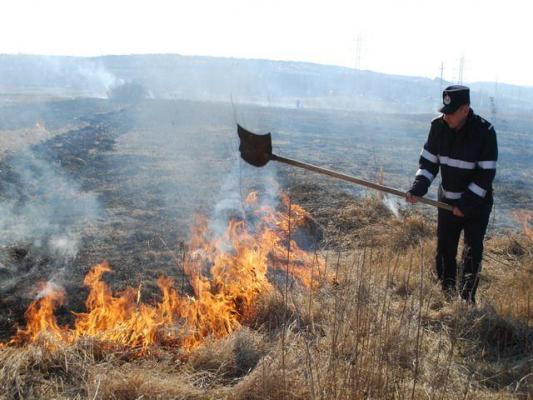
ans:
(293, 84)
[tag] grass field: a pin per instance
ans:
(345, 306)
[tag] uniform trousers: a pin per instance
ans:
(448, 232)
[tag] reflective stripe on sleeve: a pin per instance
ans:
(430, 157)
(477, 190)
(425, 173)
(487, 164)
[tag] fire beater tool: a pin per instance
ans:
(257, 150)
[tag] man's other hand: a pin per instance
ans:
(410, 198)
(457, 212)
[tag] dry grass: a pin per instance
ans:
(382, 329)
(509, 277)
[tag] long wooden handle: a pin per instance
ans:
(358, 181)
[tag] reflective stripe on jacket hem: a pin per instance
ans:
(477, 190)
(451, 195)
(487, 164)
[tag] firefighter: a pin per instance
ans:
(463, 146)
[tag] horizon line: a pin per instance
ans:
(526, 86)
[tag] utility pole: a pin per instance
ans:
(493, 109)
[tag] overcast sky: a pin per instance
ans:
(409, 37)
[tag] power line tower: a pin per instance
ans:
(441, 74)
(461, 68)
(492, 99)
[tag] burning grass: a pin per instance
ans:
(368, 323)
(226, 274)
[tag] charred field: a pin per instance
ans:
(345, 304)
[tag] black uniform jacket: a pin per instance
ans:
(467, 161)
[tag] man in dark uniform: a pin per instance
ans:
(463, 146)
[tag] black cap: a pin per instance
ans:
(454, 97)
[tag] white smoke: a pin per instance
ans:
(88, 77)
(242, 180)
(392, 205)
(48, 289)
(42, 208)
(64, 245)
(98, 80)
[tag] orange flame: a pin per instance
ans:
(226, 274)
(40, 316)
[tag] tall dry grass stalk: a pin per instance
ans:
(386, 331)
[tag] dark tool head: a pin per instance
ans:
(255, 149)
